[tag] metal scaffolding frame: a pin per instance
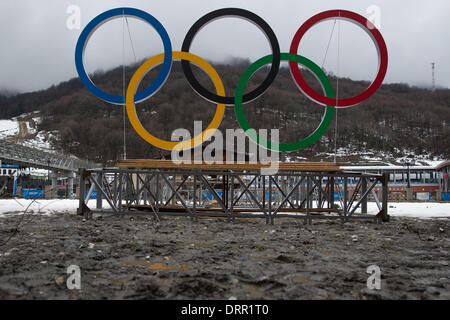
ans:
(232, 195)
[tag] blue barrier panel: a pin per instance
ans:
(445, 196)
(207, 194)
(273, 196)
(9, 166)
(93, 194)
(336, 195)
(33, 193)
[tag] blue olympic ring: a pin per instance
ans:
(103, 18)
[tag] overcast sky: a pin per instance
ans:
(38, 48)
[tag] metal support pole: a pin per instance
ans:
(82, 190)
(119, 203)
(319, 200)
(331, 198)
(308, 202)
(194, 199)
(115, 190)
(363, 191)
(385, 216)
(232, 197)
(157, 193)
(138, 194)
(144, 192)
(174, 183)
(226, 191)
(264, 192)
(127, 190)
(345, 198)
(223, 188)
(99, 192)
(270, 200)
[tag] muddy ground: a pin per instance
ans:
(134, 257)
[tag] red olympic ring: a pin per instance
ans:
(373, 33)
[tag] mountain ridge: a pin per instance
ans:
(398, 121)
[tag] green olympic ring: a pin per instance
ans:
(294, 146)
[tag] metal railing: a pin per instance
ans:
(30, 157)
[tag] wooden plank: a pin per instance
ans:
(282, 166)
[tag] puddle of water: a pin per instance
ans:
(163, 267)
(155, 266)
(123, 281)
(300, 279)
(137, 263)
(251, 288)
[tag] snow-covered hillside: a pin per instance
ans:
(8, 128)
(23, 130)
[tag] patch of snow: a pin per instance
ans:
(41, 206)
(8, 128)
(47, 207)
(39, 142)
(30, 129)
(433, 163)
(414, 209)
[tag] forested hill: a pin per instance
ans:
(398, 120)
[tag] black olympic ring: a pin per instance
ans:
(239, 13)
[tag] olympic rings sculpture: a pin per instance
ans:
(327, 98)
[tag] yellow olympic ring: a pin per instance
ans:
(174, 145)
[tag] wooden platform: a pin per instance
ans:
(236, 167)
